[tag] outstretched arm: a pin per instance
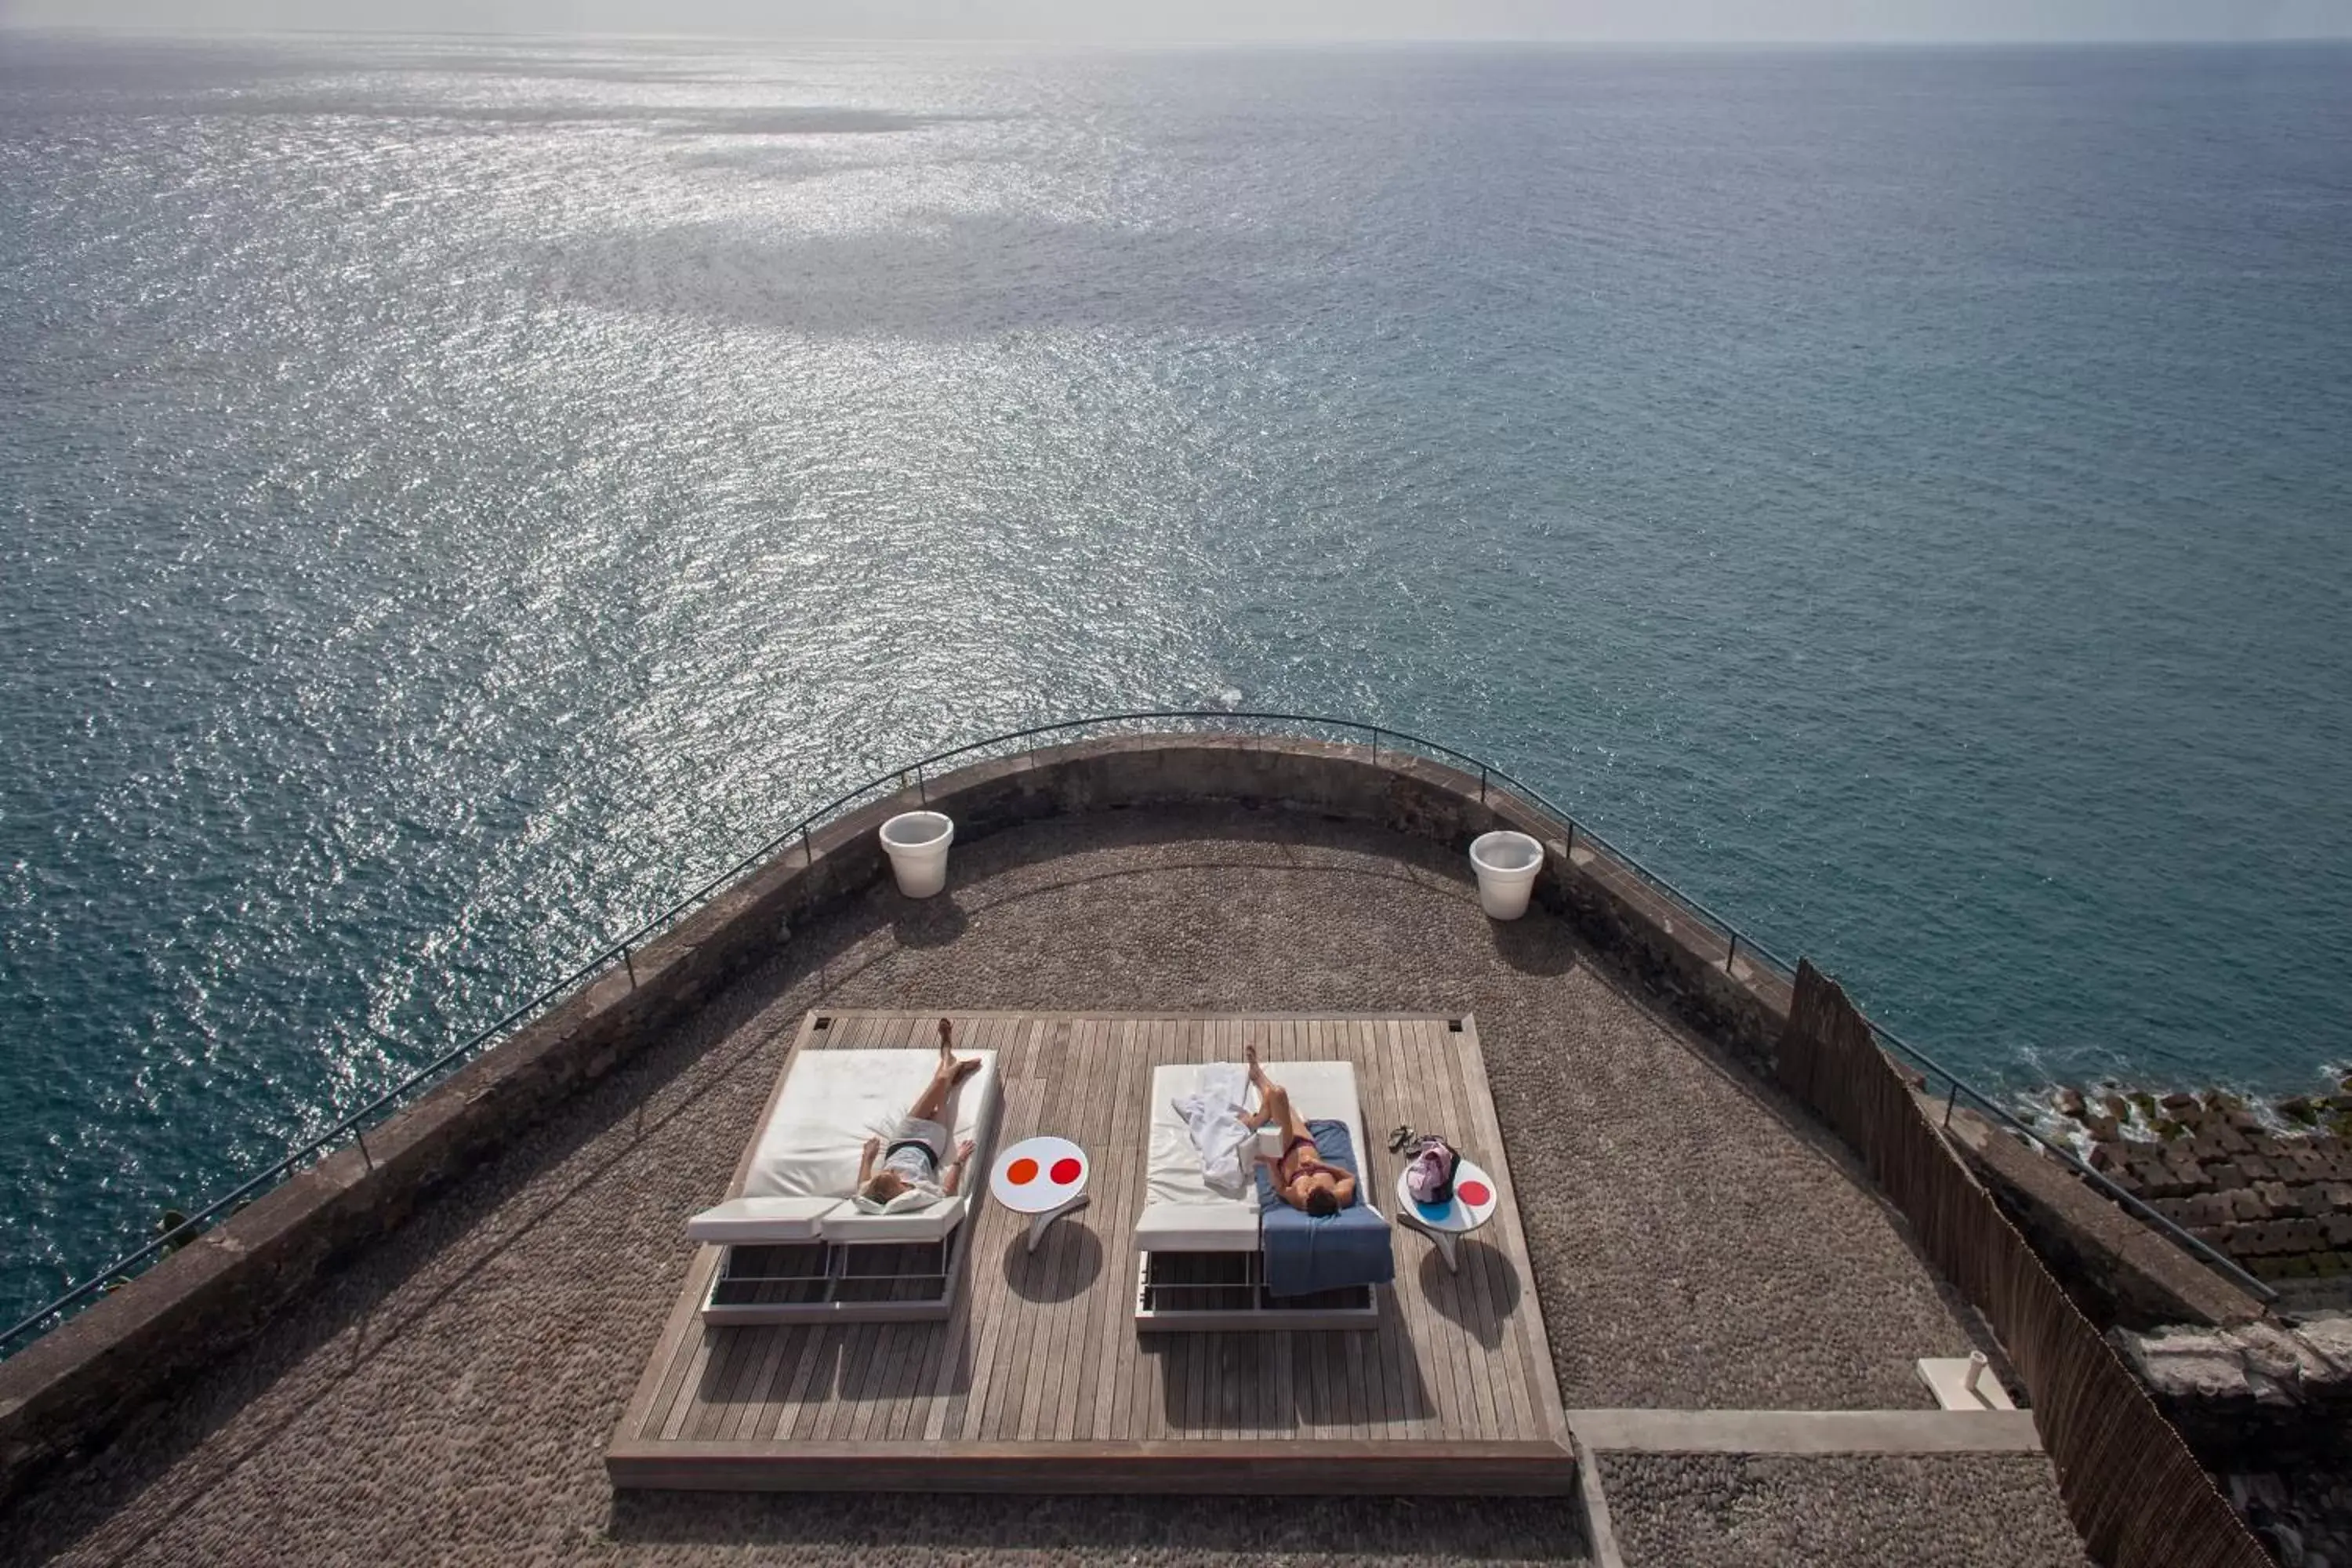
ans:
(955, 1169)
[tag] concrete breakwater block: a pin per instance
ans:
(2273, 1192)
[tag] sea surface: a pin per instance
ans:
(455, 495)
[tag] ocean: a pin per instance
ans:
(456, 494)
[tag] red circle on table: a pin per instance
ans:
(1021, 1172)
(1066, 1170)
(1474, 1192)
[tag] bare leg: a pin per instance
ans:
(933, 1100)
(1277, 1111)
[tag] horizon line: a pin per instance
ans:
(201, 31)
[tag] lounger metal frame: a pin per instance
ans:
(1266, 1313)
(739, 1274)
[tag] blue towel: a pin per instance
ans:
(1303, 1254)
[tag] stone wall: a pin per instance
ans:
(80, 1384)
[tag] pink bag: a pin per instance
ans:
(1429, 1173)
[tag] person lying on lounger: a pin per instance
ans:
(1300, 1179)
(906, 1173)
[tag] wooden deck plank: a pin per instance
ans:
(1037, 1380)
(1375, 1168)
(1449, 1370)
(1114, 1230)
(783, 1343)
(1418, 1367)
(1029, 1343)
(1543, 1379)
(1035, 1366)
(1496, 1292)
(1451, 1294)
(734, 1354)
(1152, 1367)
(1023, 1115)
(982, 1280)
(1465, 1290)
(1129, 1401)
(1510, 1293)
(1071, 1241)
(673, 1352)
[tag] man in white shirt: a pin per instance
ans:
(905, 1172)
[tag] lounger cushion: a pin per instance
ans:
(741, 1221)
(834, 1101)
(804, 1161)
(1180, 1213)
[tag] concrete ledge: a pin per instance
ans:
(1805, 1431)
(72, 1390)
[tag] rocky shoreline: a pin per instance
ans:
(2270, 1185)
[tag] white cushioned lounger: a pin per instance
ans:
(1180, 1213)
(805, 1163)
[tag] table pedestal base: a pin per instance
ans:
(1447, 1241)
(1039, 1222)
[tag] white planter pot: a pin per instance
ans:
(916, 843)
(1507, 864)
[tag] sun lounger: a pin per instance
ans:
(1200, 1259)
(795, 1247)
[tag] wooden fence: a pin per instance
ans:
(2135, 1492)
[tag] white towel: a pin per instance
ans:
(1212, 1113)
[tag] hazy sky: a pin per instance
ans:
(1679, 21)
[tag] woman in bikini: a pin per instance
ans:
(910, 1162)
(1301, 1180)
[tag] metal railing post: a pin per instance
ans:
(922, 795)
(629, 964)
(1949, 1101)
(1732, 954)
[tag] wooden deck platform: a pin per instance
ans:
(1038, 1381)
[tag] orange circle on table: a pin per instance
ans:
(1066, 1170)
(1474, 1192)
(1022, 1172)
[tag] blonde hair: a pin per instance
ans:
(882, 1186)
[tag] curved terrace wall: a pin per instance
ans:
(72, 1389)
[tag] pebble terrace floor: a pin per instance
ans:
(1779, 1510)
(1695, 1243)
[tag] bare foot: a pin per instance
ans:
(1256, 1072)
(965, 1068)
(947, 1040)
